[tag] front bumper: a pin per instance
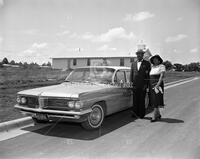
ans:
(52, 114)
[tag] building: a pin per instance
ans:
(72, 62)
(66, 63)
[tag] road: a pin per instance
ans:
(176, 136)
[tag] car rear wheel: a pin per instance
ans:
(95, 118)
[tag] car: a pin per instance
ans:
(87, 95)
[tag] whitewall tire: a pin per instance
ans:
(95, 118)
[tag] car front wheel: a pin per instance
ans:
(95, 118)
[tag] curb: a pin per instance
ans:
(9, 125)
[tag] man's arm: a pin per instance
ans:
(131, 75)
(147, 78)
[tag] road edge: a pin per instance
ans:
(13, 124)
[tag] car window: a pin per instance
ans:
(120, 76)
(127, 76)
(101, 75)
(78, 75)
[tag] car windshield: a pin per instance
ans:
(100, 75)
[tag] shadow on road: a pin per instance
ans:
(75, 131)
(170, 120)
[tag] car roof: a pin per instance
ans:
(112, 67)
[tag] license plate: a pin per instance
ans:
(41, 117)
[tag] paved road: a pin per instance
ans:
(177, 136)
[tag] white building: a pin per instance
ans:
(72, 62)
(66, 63)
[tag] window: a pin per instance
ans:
(88, 62)
(74, 62)
(132, 59)
(122, 62)
(127, 76)
(120, 76)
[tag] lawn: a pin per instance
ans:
(175, 76)
(13, 80)
(18, 77)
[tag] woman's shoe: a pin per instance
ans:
(156, 119)
(159, 117)
(153, 120)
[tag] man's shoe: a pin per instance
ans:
(134, 115)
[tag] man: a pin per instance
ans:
(139, 79)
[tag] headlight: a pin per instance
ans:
(75, 104)
(18, 100)
(71, 104)
(78, 104)
(23, 100)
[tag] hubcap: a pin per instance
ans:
(95, 116)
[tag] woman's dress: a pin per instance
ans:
(157, 99)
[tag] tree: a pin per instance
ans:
(179, 67)
(168, 65)
(44, 64)
(33, 65)
(5, 61)
(193, 66)
(20, 64)
(12, 62)
(25, 65)
(49, 64)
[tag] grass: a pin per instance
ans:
(175, 76)
(17, 77)
(13, 80)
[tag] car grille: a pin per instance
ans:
(55, 102)
(32, 102)
(47, 103)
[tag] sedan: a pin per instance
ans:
(87, 95)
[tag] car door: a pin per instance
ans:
(120, 100)
(129, 94)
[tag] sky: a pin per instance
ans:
(38, 30)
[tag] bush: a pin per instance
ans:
(5, 61)
(1, 65)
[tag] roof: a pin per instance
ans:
(92, 57)
(113, 67)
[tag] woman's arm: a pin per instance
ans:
(160, 79)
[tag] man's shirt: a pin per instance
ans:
(139, 64)
(139, 75)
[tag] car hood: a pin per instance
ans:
(67, 89)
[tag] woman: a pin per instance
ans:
(157, 85)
